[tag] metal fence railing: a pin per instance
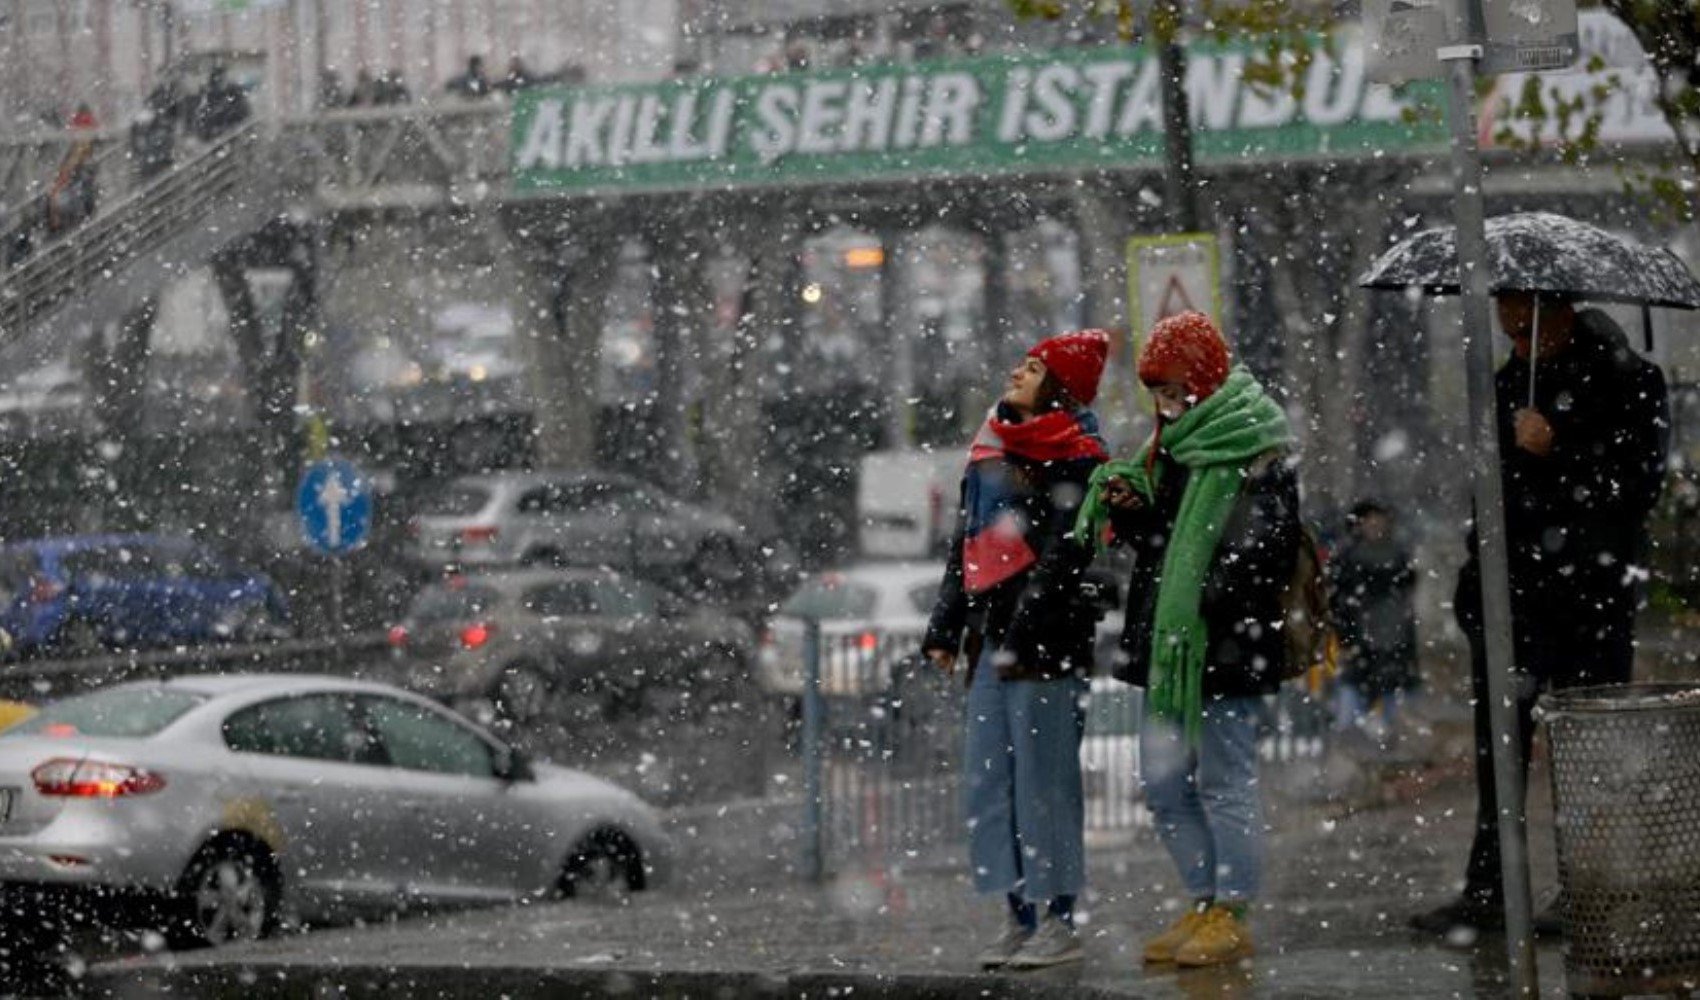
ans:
(125, 228)
(883, 739)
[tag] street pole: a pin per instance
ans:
(1177, 138)
(895, 322)
(1460, 57)
(814, 719)
(340, 650)
(1181, 191)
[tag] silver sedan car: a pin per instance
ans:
(226, 805)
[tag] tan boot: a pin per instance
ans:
(1221, 939)
(1162, 948)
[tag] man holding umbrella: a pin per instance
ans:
(1584, 430)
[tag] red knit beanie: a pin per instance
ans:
(1188, 349)
(1076, 361)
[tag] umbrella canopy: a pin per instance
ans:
(1542, 252)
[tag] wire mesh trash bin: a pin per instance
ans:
(1626, 799)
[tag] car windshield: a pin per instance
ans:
(120, 712)
(452, 603)
(457, 500)
(829, 597)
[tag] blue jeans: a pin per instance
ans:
(1022, 785)
(1205, 799)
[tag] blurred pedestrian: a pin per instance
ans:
(472, 84)
(331, 94)
(519, 77)
(223, 105)
(1011, 604)
(153, 135)
(1210, 508)
(1584, 433)
(365, 92)
(392, 88)
(1373, 577)
(74, 192)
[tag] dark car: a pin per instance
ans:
(76, 596)
(503, 644)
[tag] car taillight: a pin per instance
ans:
(868, 641)
(42, 590)
(412, 527)
(474, 636)
(478, 534)
(397, 636)
(91, 779)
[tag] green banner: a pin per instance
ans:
(1057, 111)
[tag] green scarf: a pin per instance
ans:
(1216, 440)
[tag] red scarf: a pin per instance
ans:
(1057, 436)
(995, 545)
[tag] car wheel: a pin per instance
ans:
(521, 694)
(229, 893)
(606, 865)
(78, 638)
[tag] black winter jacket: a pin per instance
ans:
(1575, 519)
(1038, 617)
(1241, 603)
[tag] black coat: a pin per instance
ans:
(1372, 587)
(1039, 617)
(1241, 604)
(1576, 519)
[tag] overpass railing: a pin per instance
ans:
(128, 227)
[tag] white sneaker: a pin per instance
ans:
(1054, 943)
(997, 954)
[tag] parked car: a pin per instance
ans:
(76, 596)
(503, 643)
(220, 807)
(873, 616)
(579, 519)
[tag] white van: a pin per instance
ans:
(906, 502)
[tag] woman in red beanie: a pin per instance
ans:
(1010, 602)
(1210, 509)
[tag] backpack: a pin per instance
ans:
(1312, 642)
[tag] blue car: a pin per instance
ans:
(77, 596)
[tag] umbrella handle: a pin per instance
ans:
(1534, 348)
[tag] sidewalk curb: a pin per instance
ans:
(292, 981)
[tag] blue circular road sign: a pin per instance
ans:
(335, 504)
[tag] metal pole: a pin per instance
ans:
(1177, 134)
(341, 649)
(894, 320)
(814, 713)
(1508, 774)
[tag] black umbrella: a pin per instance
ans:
(1543, 252)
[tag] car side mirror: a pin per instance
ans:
(513, 766)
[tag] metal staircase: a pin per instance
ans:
(109, 264)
